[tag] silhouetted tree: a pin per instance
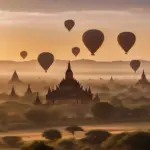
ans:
(135, 141)
(37, 145)
(103, 110)
(13, 141)
(38, 116)
(52, 135)
(73, 129)
(67, 145)
(97, 136)
(112, 141)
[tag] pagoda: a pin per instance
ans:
(96, 99)
(13, 92)
(15, 78)
(69, 91)
(37, 100)
(143, 81)
(29, 91)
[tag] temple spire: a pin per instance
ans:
(37, 101)
(69, 73)
(13, 93)
(29, 91)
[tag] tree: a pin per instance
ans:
(135, 141)
(73, 129)
(67, 145)
(37, 145)
(103, 110)
(13, 141)
(52, 135)
(97, 136)
(112, 141)
(38, 116)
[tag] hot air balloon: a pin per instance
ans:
(69, 24)
(126, 40)
(45, 59)
(76, 51)
(93, 39)
(23, 54)
(135, 64)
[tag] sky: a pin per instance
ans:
(38, 25)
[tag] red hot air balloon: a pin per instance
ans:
(126, 40)
(23, 54)
(45, 59)
(69, 24)
(76, 51)
(135, 64)
(93, 39)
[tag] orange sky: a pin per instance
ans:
(37, 32)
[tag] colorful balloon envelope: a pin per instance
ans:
(135, 64)
(126, 40)
(69, 24)
(23, 54)
(93, 40)
(45, 60)
(76, 51)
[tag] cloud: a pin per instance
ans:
(68, 5)
(103, 18)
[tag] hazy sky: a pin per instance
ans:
(38, 25)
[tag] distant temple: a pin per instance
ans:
(15, 78)
(143, 81)
(37, 100)
(69, 91)
(13, 93)
(29, 91)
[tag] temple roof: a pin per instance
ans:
(14, 78)
(29, 91)
(143, 80)
(37, 100)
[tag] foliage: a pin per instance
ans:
(37, 145)
(52, 134)
(113, 140)
(96, 136)
(135, 141)
(103, 110)
(72, 129)
(38, 116)
(13, 141)
(67, 144)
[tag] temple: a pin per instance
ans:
(69, 91)
(37, 100)
(13, 93)
(143, 81)
(29, 91)
(15, 78)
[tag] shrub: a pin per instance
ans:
(96, 136)
(37, 145)
(67, 145)
(13, 141)
(112, 140)
(135, 141)
(52, 134)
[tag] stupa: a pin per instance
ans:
(13, 92)
(143, 81)
(37, 100)
(96, 99)
(29, 91)
(15, 78)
